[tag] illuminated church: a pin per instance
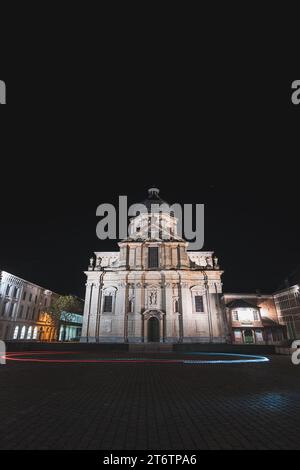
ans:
(153, 289)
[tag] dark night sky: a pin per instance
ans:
(223, 133)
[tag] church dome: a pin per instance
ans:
(154, 198)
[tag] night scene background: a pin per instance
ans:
(227, 140)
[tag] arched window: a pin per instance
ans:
(29, 332)
(109, 299)
(199, 303)
(23, 331)
(35, 331)
(16, 332)
(108, 303)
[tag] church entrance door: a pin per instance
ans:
(153, 330)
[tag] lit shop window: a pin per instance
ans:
(16, 332)
(29, 332)
(35, 331)
(23, 331)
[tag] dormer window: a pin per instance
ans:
(255, 315)
(235, 315)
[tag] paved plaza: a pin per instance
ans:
(149, 404)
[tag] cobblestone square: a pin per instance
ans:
(150, 405)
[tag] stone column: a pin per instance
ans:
(120, 312)
(93, 312)
(184, 263)
(186, 310)
(139, 257)
(86, 313)
(209, 312)
(145, 257)
(123, 256)
(169, 317)
(168, 256)
(132, 259)
(174, 257)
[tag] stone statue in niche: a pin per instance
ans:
(91, 266)
(153, 298)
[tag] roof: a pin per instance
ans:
(240, 303)
(292, 279)
(269, 322)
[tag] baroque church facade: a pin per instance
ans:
(153, 289)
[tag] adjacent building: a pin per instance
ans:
(70, 326)
(253, 319)
(24, 308)
(288, 307)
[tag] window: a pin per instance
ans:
(107, 303)
(199, 303)
(29, 332)
(30, 297)
(130, 306)
(7, 290)
(16, 332)
(11, 310)
(176, 306)
(21, 311)
(235, 315)
(4, 308)
(15, 292)
(23, 331)
(24, 295)
(34, 336)
(153, 257)
(255, 315)
(27, 313)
